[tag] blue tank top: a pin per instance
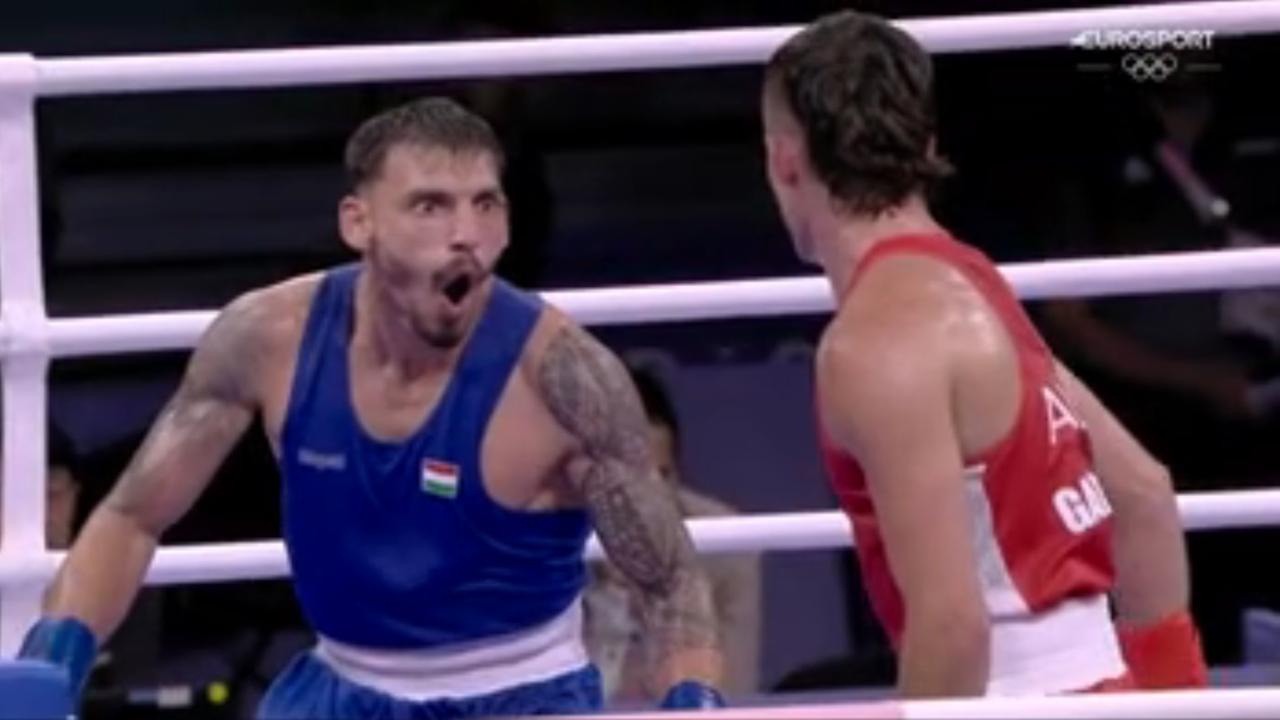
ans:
(398, 545)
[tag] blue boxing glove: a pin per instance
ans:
(34, 690)
(66, 643)
(692, 695)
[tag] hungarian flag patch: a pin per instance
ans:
(440, 478)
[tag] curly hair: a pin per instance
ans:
(862, 92)
(430, 122)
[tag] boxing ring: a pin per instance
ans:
(29, 339)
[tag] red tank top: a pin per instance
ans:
(1039, 516)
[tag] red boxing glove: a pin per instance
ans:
(1165, 655)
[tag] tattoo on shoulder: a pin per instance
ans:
(591, 395)
(230, 353)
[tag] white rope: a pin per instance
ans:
(1092, 277)
(26, 358)
(598, 53)
(822, 530)
(1235, 703)
(27, 339)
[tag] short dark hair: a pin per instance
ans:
(862, 91)
(429, 122)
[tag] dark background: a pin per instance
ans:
(183, 200)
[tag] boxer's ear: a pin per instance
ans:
(354, 222)
(783, 140)
(783, 155)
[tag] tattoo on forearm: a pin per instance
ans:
(634, 510)
(647, 553)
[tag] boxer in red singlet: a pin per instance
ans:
(1014, 538)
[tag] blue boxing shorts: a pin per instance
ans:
(308, 689)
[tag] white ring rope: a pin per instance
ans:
(1090, 277)
(28, 339)
(599, 53)
(816, 530)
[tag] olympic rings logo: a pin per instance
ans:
(1155, 67)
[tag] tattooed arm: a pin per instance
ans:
(193, 433)
(590, 393)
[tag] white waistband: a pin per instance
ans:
(1069, 648)
(464, 670)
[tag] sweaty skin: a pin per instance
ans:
(920, 374)
(914, 379)
(917, 373)
(568, 431)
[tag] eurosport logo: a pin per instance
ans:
(1147, 56)
(1144, 40)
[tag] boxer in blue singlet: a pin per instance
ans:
(446, 442)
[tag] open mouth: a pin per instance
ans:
(457, 288)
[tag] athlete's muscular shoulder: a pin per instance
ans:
(913, 317)
(248, 331)
(275, 315)
(589, 395)
(910, 294)
(214, 404)
(225, 383)
(901, 314)
(586, 388)
(268, 326)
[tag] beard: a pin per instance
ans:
(437, 306)
(443, 336)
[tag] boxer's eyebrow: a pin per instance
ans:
(491, 195)
(429, 195)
